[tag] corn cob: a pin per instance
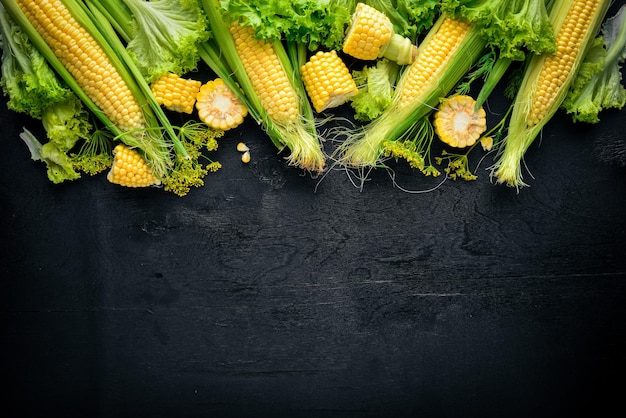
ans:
(267, 74)
(444, 56)
(218, 106)
(283, 110)
(176, 93)
(81, 54)
(328, 81)
(433, 60)
(371, 36)
(546, 81)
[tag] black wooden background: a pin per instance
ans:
(269, 293)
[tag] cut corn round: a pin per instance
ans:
(176, 93)
(129, 169)
(218, 106)
(83, 57)
(371, 36)
(327, 81)
(457, 123)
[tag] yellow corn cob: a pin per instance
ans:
(267, 75)
(401, 131)
(327, 81)
(557, 68)
(81, 54)
(457, 123)
(432, 59)
(218, 106)
(176, 93)
(546, 81)
(129, 169)
(371, 35)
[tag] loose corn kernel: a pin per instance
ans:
(557, 67)
(268, 77)
(241, 147)
(83, 57)
(432, 59)
(218, 106)
(327, 81)
(176, 93)
(129, 169)
(245, 157)
(457, 123)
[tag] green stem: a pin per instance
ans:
(500, 67)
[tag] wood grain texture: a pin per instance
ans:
(268, 293)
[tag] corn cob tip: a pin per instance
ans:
(176, 93)
(129, 169)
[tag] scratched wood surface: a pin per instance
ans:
(268, 293)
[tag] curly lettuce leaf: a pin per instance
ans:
(513, 26)
(59, 165)
(409, 17)
(27, 79)
(316, 23)
(598, 84)
(66, 123)
(166, 36)
(376, 85)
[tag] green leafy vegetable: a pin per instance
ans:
(409, 17)
(27, 79)
(59, 165)
(66, 123)
(598, 85)
(165, 35)
(376, 85)
(513, 26)
(316, 23)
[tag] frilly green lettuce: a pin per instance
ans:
(27, 79)
(66, 123)
(513, 26)
(316, 23)
(376, 88)
(598, 85)
(166, 36)
(58, 163)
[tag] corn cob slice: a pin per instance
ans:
(546, 81)
(371, 36)
(457, 123)
(129, 169)
(218, 106)
(176, 93)
(328, 81)
(81, 54)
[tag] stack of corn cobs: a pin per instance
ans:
(105, 77)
